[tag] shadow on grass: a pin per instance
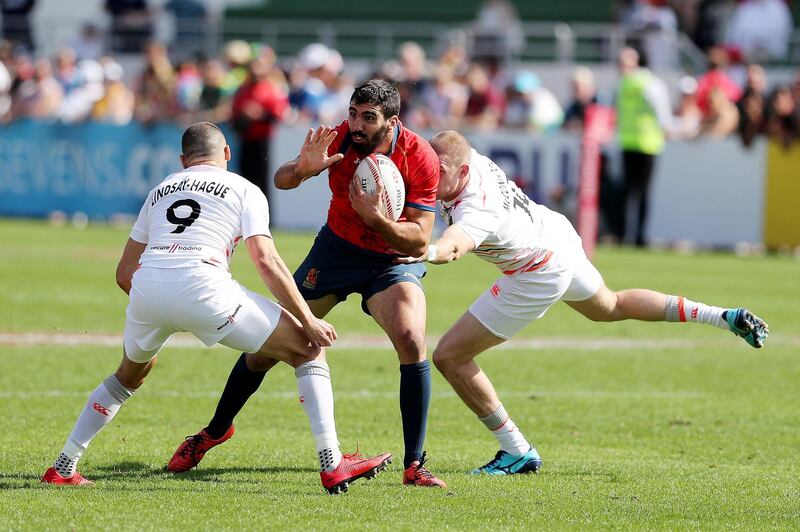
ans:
(130, 470)
(16, 481)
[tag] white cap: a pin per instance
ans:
(314, 55)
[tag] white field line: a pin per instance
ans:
(186, 340)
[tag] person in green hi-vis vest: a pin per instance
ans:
(644, 115)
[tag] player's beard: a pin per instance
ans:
(372, 142)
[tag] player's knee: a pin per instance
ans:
(442, 362)
(410, 346)
(306, 353)
(447, 360)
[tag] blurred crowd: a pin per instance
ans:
(248, 82)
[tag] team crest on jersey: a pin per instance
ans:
(311, 279)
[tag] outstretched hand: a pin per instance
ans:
(313, 157)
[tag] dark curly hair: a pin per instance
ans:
(380, 93)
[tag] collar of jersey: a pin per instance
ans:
(396, 136)
(204, 167)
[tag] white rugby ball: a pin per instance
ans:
(375, 167)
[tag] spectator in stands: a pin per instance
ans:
(214, 105)
(752, 106)
(131, 27)
(238, 55)
(722, 117)
(752, 109)
(761, 29)
(190, 26)
(67, 72)
(716, 78)
(584, 94)
(40, 96)
(188, 85)
(413, 81)
(155, 93)
(340, 88)
(643, 116)
(529, 105)
(686, 122)
(484, 107)
(16, 22)
(78, 103)
(89, 43)
(782, 116)
(20, 66)
(5, 93)
(116, 104)
(314, 84)
(258, 105)
(445, 99)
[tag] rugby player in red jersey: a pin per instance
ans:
(356, 252)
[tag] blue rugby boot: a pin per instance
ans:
(744, 323)
(508, 464)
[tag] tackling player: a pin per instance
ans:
(175, 267)
(356, 252)
(542, 261)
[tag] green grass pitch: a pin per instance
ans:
(641, 426)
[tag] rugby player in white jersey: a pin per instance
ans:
(175, 268)
(542, 261)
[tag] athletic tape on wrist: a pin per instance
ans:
(433, 251)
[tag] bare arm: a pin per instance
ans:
(312, 160)
(453, 245)
(128, 263)
(276, 276)
(409, 237)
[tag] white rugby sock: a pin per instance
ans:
(316, 396)
(681, 309)
(505, 430)
(103, 404)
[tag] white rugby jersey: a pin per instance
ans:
(508, 228)
(198, 215)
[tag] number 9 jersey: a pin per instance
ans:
(197, 216)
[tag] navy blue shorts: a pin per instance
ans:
(335, 266)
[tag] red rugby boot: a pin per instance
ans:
(351, 468)
(416, 475)
(51, 476)
(191, 451)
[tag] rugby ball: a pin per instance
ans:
(379, 167)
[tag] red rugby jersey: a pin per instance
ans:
(418, 164)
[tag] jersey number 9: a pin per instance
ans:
(181, 222)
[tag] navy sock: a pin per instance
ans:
(415, 396)
(242, 383)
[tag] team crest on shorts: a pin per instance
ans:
(495, 289)
(311, 279)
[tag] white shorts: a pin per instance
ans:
(514, 301)
(204, 301)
